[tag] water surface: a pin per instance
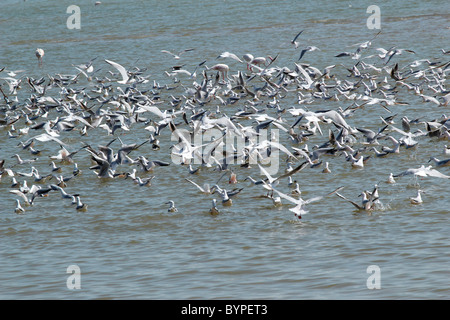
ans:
(127, 245)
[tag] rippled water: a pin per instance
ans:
(129, 247)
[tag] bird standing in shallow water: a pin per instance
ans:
(222, 68)
(233, 178)
(39, 54)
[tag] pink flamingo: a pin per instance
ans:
(222, 68)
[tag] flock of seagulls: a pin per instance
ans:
(240, 96)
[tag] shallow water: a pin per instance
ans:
(129, 247)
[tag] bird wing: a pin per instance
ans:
(281, 147)
(20, 194)
(293, 171)
(298, 34)
(46, 137)
(264, 171)
(167, 51)
(289, 198)
(352, 202)
(321, 197)
(436, 174)
(302, 53)
(121, 69)
(227, 54)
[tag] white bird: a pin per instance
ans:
(177, 56)
(447, 150)
(55, 168)
(294, 41)
(214, 211)
(205, 189)
(172, 207)
(366, 203)
(39, 54)
(440, 163)
(44, 137)
(80, 206)
(64, 194)
(18, 208)
(391, 179)
(226, 200)
(307, 49)
(22, 195)
(144, 182)
(227, 54)
(423, 171)
(357, 163)
(326, 169)
(418, 198)
(123, 72)
(300, 208)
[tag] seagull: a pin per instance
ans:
(144, 182)
(24, 188)
(64, 194)
(423, 171)
(276, 201)
(44, 137)
(22, 195)
(23, 161)
(55, 168)
(357, 162)
(80, 206)
(440, 163)
(205, 189)
(371, 136)
(177, 56)
(172, 207)
(294, 41)
(307, 49)
(275, 181)
(300, 209)
(366, 203)
(214, 211)
(19, 209)
(326, 169)
(226, 200)
(123, 72)
(447, 150)
(418, 198)
(391, 179)
(39, 192)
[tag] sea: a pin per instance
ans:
(127, 246)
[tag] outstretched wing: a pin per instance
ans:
(123, 72)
